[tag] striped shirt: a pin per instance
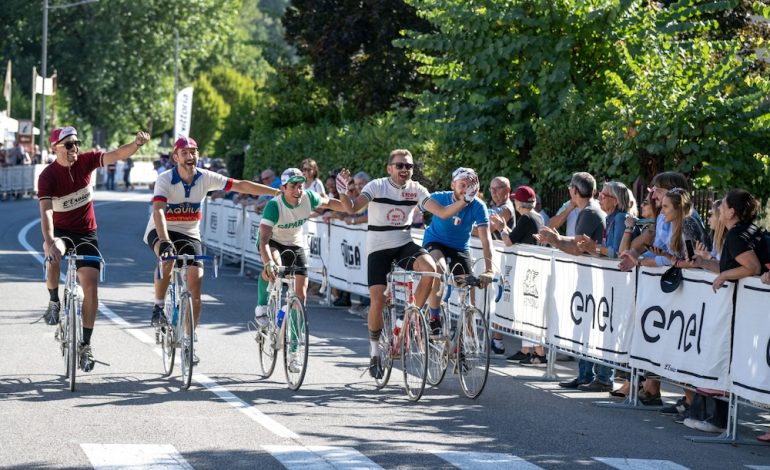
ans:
(390, 212)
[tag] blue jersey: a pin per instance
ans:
(455, 232)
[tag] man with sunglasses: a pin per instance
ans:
(391, 202)
(67, 220)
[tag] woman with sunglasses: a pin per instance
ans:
(310, 172)
(67, 220)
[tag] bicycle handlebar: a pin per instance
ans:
(475, 281)
(186, 258)
(91, 258)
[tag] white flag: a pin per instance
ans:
(7, 88)
(183, 116)
(40, 83)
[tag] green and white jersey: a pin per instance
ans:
(287, 220)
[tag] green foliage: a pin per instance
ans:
(209, 111)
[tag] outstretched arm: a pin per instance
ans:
(121, 153)
(255, 189)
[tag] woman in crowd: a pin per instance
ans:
(310, 172)
(718, 232)
(615, 201)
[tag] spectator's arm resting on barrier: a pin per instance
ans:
(552, 237)
(749, 266)
(765, 278)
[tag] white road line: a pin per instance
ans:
(484, 460)
(320, 458)
(639, 464)
(758, 467)
(135, 456)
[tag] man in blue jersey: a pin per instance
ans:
(448, 240)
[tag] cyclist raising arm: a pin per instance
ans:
(391, 202)
(67, 220)
(176, 214)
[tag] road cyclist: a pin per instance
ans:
(391, 201)
(67, 220)
(174, 226)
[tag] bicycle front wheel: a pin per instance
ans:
(295, 344)
(386, 347)
(438, 354)
(473, 352)
(186, 332)
(166, 333)
(266, 340)
(72, 339)
(414, 352)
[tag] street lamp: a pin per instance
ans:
(44, 64)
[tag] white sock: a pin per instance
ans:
(260, 310)
(159, 302)
(374, 348)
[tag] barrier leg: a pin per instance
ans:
(632, 399)
(550, 368)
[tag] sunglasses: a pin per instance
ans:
(74, 143)
(307, 169)
(402, 165)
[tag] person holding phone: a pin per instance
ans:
(676, 208)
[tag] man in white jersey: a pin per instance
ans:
(391, 202)
(174, 226)
(281, 240)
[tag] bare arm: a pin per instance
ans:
(340, 205)
(559, 219)
(121, 153)
(486, 247)
(255, 189)
(445, 212)
(360, 202)
(159, 218)
(46, 226)
(265, 232)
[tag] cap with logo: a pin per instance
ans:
(525, 194)
(292, 175)
(185, 143)
(61, 133)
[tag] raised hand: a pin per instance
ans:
(342, 181)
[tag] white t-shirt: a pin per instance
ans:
(317, 187)
(183, 201)
(287, 220)
(390, 212)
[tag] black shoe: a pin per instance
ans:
(52, 313)
(86, 357)
(158, 318)
(571, 384)
(595, 386)
(496, 350)
(435, 326)
(342, 301)
(518, 356)
(533, 358)
(375, 367)
(677, 408)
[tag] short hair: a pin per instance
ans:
(584, 183)
(503, 180)
(399, 153)
(670, 180)
(362, 175)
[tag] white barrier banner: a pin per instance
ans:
(214, 229)
(684, 335)
(251, 222)
(317, 236)
(750, 368)
(347, 258)
(232, 218)
(592, 307)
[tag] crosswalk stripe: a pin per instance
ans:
(134, 456)
(484, 460)
(639, 464)
(758, 467)
(320, 458)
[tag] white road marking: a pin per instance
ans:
(484, 460)
(320, 458)
(135, 456)
(639, 464)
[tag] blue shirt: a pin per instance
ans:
(455, 232)
(616, 225)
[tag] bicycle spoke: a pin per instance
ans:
(473, 352)
(295, 351)
(414, 353)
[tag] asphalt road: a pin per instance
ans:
(126, 413)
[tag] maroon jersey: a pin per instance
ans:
(69, 188)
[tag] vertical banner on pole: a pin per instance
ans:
(750, 368)
(183, 117)
(684, 335)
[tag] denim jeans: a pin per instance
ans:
(588, 371)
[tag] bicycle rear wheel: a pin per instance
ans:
(438, 353)
(267, 339)
(72, 339)
(295, 344)
(414, 352)
(166, 333)
(186, 333)
(473, 353)
(386, 348)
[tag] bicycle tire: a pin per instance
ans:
(473, 352)
(167, 336)
(295, 344)
(386, 348)
(267, 340)
(186, 333)
(438, 354)
(72, 339)
(63, 335)
(414, 353)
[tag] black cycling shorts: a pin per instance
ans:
(379, 262)
(291, 256)
(84, 244)
(183, 245)
(459, 262)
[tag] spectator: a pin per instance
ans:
(331, 185)
(128, 164)
(19, 156)
(718, 232)
(500, 204)
(568, 214)
(111, 168)
(268, 178)
(539, 209)
(614, 200)
(310, 171)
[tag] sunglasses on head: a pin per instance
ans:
(73, 143)
(402, 165)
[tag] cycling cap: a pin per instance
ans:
(185, 143)
(525, 194)
(292, 175)
(61, 133)
(464, 173)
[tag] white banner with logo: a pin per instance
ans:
(750, 368)
(212, 226)
(232, 219)
(684, 335)
(250, 233)
(317, 236)
(592, 307)
(347, 258)
(183, 117)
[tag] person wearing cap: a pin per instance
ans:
(448, 239)
(391, 201)
(282, 242)
(67, 220)
(527, 226)
(174, 225)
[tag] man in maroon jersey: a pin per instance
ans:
(67, 221)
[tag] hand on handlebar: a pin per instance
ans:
(52, 252)
(271, 269)
(166, 248)
(486, 278)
